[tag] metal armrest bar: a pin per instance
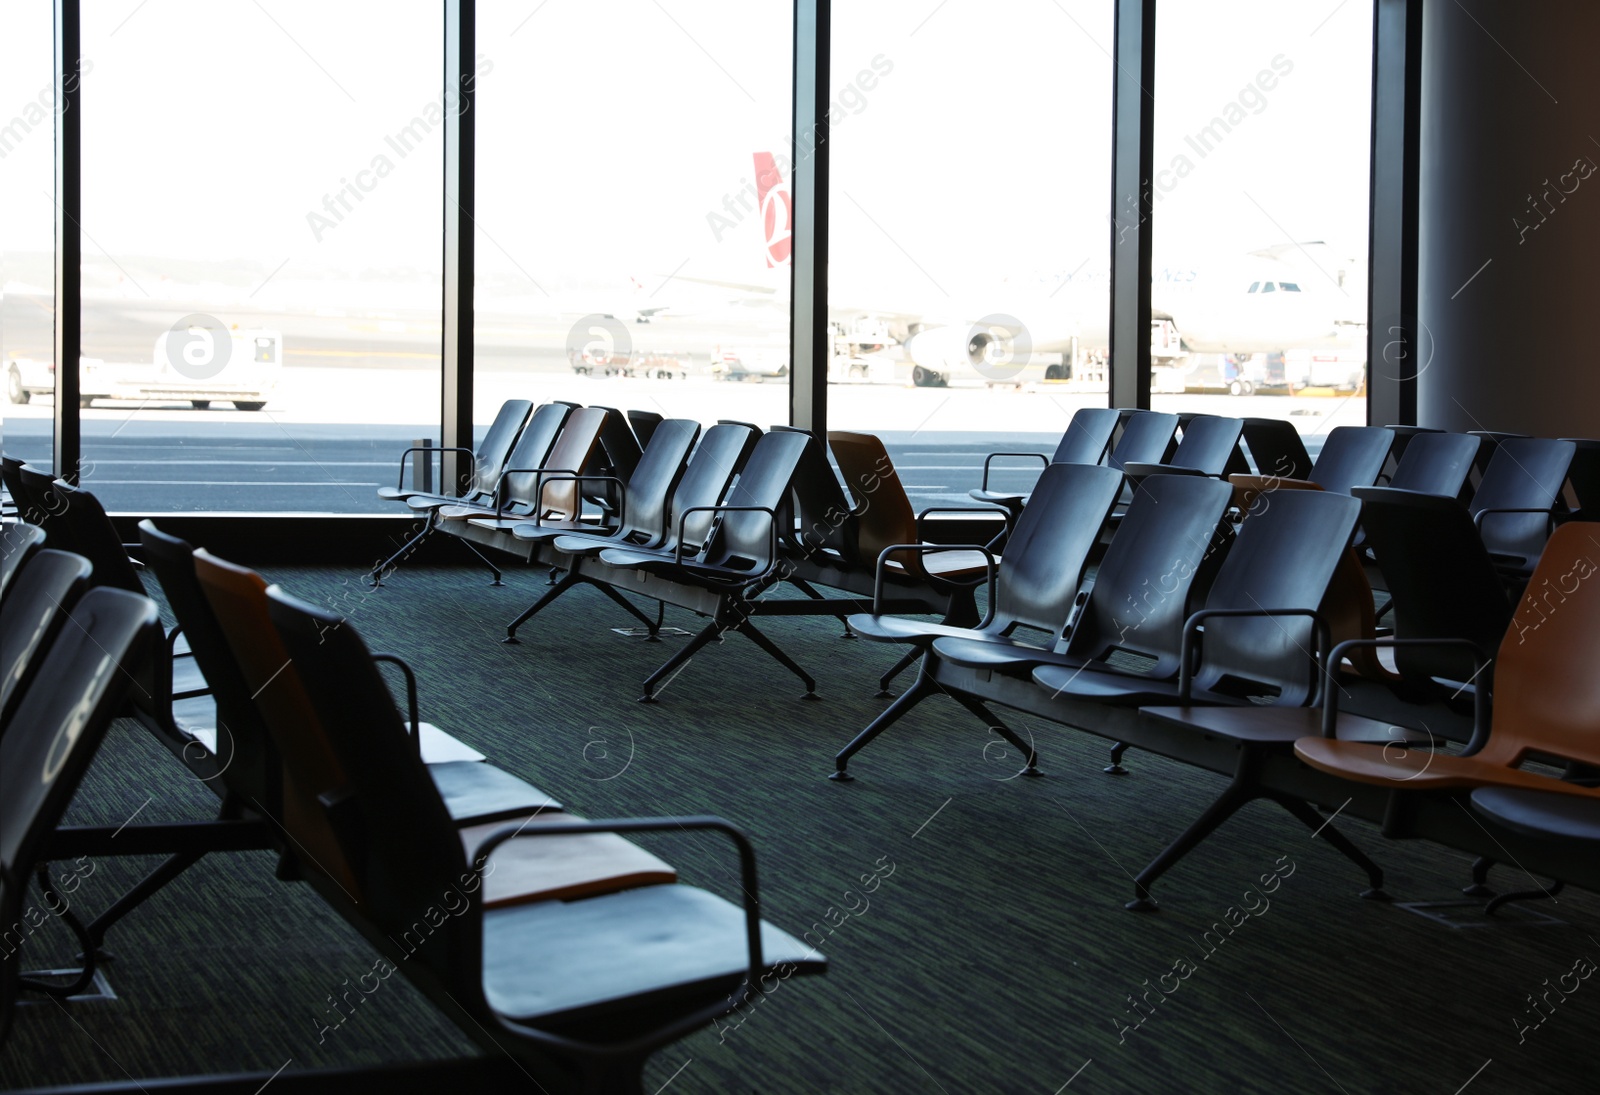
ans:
(999, 511)
(1480, 660)
(989, 563)
(622, 490)
(1039, 456)
(772, 531)
(411, 696)
(401, 482)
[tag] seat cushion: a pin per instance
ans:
(1120, 689)
(560, 868)
(1541, 813)
(995, 655)
(1253, 725)
(1423, 769)
(570, 544)
(1012, 502)
(481, 792)
(897, 629)
(581, 959)
(627, 559)
(438, 746)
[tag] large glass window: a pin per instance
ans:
(632, 229)
(28, 104)
(970, 242)
(1262, 148)
(261, 273)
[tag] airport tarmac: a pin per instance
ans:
(332, 434)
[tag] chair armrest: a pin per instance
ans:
(471, 456)
(1480, 707)
(987, 460)
(1321, 639)
(772, 531)
(747, 884)
(411, 697)
(989, 564)
(1001, 510)
(1477, 518)
(539, 475)
(622, 490)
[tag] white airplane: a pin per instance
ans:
(1264, 302)
(1288, 296)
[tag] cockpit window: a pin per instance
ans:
(1254, 285)
(1288, 287)
(1267, 287)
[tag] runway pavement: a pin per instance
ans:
(331, 435)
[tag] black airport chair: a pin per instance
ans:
(487, 461)
(1443, 585)
(1087, 440)
(528, 448)
(1208, 445)
(1162, 549)
(1515, 504)
(1036, 587)
(644, 425)
(18, 542)
(1434, 462)
(739, 560)
(721, 452)
(1584, 477)
(49, 584)
(173, 697)
(1277, 449)
(588, 987)
(549, 490)
(1146, 438)
(47, 748)
(642, 497)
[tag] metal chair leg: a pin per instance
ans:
(1225, 806)
(1320, 826)
(895, 670)
(749, 630)
(921, 690)
(633, 609)
(1480, 878)
(375, 575)
(1025, 748)
(682, 654)
(1115, 768)
(147, 887)
(549, 595)
(484, 559)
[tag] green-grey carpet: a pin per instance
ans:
(994, 956)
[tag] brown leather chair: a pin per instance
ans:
(1547, 693)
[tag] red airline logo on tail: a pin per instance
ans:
(777, 213)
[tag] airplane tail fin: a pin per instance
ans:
(777, 211)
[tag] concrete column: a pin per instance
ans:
(1509, 245)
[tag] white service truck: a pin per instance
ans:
(199, 365)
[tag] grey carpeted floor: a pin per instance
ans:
(995, 955)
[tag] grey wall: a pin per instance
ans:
(1510, 104)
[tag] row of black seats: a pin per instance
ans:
(1213, 622)
(577, 952)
